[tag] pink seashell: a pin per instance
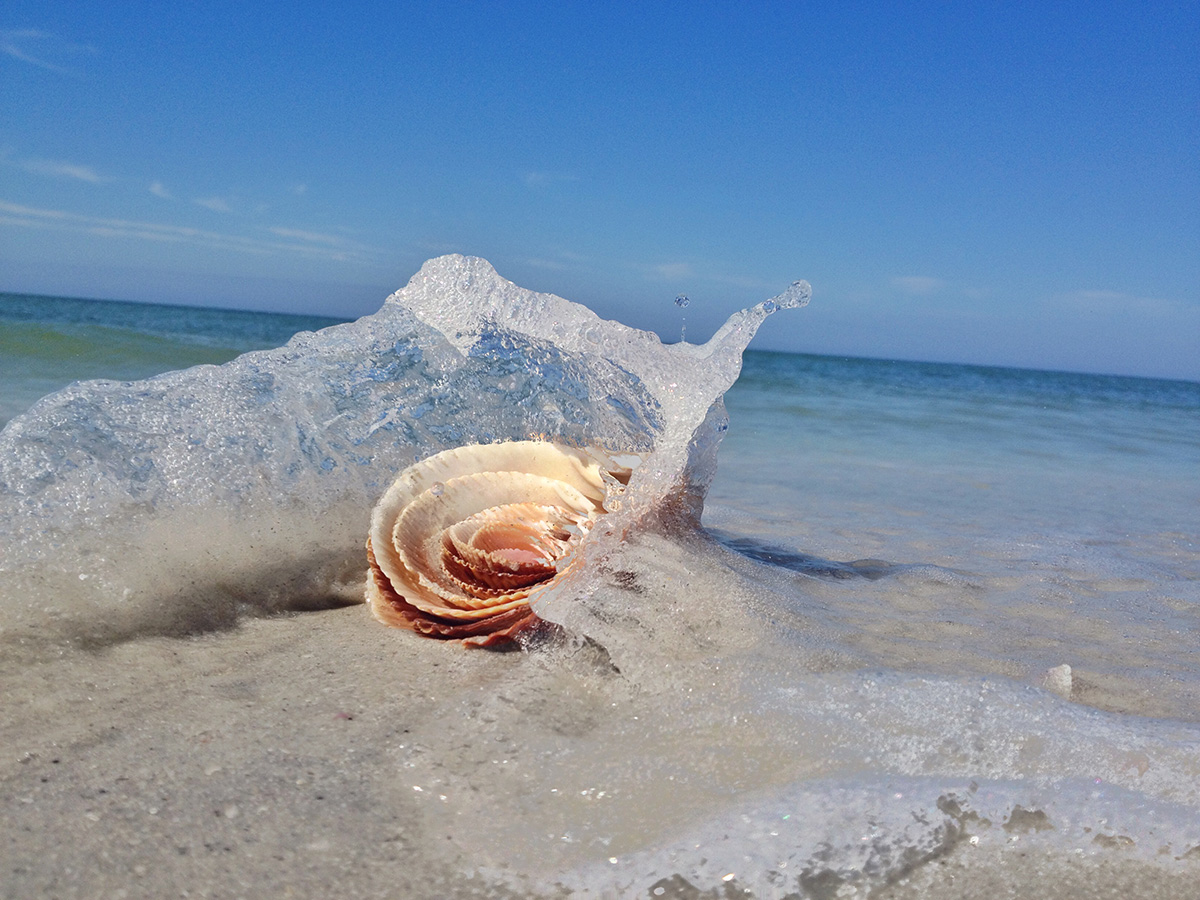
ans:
(462, 540)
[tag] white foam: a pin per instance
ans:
(181, 502)
(706, 724)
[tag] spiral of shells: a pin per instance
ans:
(462, 539)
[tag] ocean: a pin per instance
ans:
(48, 342)
(933, 633)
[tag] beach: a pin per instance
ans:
(271, 761)
(840, 686)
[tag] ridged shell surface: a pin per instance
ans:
(462, 539)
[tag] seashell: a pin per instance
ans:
(462, 540)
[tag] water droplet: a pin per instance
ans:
(769, 306)
(682, 301)
(798, 294)
(437, 489)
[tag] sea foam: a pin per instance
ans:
(701, 724)
(180, 502)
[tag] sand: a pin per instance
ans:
(252, 762)
(272, 759)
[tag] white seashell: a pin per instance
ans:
(461, 540)
(1058, 680)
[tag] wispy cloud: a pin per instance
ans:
(1117, 303)
(159, 190)
(918, 284)
(39, 48)
(312, 237)
(216, 204)
(299, 189)
(671, 271)
(16, 215)
(59, 169)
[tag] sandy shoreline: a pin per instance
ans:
(247, 762)
(270, 760)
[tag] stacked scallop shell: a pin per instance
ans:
(462, 540)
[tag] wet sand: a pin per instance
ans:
(269, 760)
(252, 762)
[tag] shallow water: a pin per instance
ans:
(47, 343)
(1033, 519)
(836, 688)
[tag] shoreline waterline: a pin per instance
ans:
(840, 682)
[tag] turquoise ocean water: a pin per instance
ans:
(48, 342)
(1074, 497)
(1069, 504)
(950, 532)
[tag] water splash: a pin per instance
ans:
(197, 496)
(682, 302)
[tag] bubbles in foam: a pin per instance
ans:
(798, 294)
(208, 483)
(699, 728)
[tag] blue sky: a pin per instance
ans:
(1010, 183)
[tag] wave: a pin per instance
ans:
(181, 502)
(696, 727)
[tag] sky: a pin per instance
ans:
(997, 183)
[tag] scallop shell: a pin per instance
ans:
(462, 540)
